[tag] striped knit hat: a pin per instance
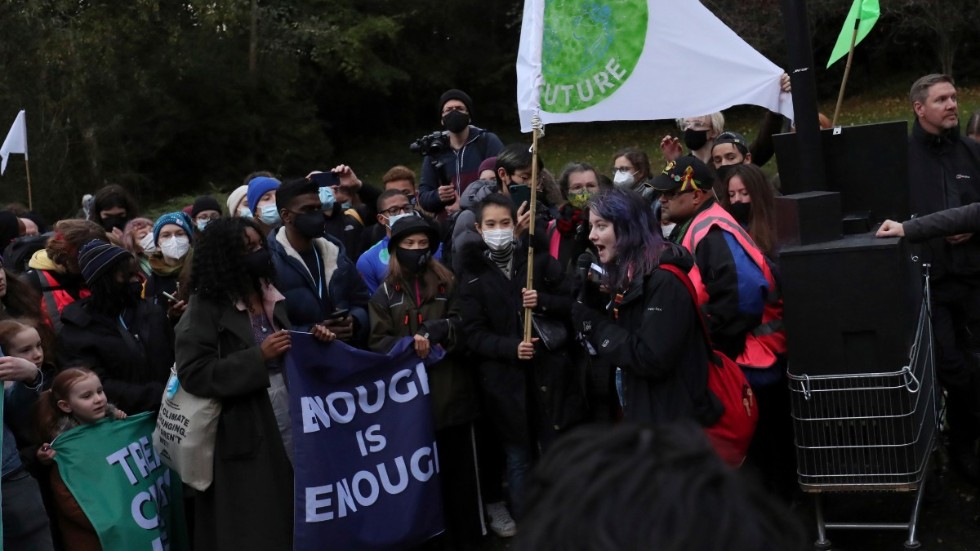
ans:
(95, 258)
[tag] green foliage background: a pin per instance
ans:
(172, 98)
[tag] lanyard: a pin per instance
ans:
(319, 272)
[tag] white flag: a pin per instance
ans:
(604, 60)
(16, 141)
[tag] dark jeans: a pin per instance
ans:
(955, 311)
(25, 522)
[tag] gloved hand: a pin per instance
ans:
(585, 319)
(435, 330)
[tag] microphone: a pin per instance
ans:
(582, 266)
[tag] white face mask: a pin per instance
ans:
(147, 243)
(397, 217)
(175, 247)
(499, 240)
(623, 179)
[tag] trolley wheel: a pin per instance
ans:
(910, 545)
(824, 545)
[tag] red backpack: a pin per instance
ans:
(733, 431)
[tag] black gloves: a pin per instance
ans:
(585, 319)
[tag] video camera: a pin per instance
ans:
(430, 144)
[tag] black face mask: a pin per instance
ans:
(114, 221)
(258, 264)
(695, 139)
(309, 224)
(722, 172)
(413, 260)
(133, 292)
(456, 121)
(741, 212)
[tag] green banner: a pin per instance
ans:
(132, 499)
(2, 396)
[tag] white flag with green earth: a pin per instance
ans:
(606, 60)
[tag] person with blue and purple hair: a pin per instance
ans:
(649, 330)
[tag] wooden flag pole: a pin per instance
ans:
(30, 198)
(847, 71)
(535, 132)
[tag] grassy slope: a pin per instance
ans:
(596, 142)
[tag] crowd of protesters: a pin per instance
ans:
(629, 262)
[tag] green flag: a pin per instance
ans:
(865, 11)
(132, 499)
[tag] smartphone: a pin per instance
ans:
(337, 314)
(325, 179)
(520, 193)
(170, 297)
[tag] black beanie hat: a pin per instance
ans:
(204, 203)
(410, 225)
(95, 258)
(458, 95)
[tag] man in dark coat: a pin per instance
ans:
(944, 172)
(127, 341)
(312, 271)
(467, 146)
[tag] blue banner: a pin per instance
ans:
(364, 451)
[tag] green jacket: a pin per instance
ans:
(395, 313)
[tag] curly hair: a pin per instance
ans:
(218, 268)
(69, 236)
(629, 486)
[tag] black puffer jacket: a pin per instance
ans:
(656, 340)
(133, 370)
(490, 307)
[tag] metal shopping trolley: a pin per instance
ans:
(869, 432)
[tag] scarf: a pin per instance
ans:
(569, 219)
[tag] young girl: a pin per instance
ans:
(532, 393)
(76, 398)
(417, 299)
(25, 522)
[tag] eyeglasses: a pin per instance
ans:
(207, 217)
(395, 211)
(622, 169)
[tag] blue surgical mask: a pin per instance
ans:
(269, 215)
(244, 212)
(346, 205)
(201, 224)
(327, 198)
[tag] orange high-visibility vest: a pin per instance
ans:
(768, 339)
(54, 298)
